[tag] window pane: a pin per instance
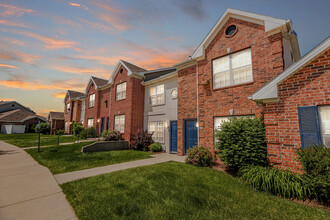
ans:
(221, 79)
(241, 58)
(153, 91)
(218, 121)
(160, 98)
(242, 75)
(221, 64)
(160, 89)
(325, 124)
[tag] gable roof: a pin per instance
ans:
(98, 82)
(271, 25)
(132, 70)
(18, 115)
(155, 74)
(269, 92)
(13, 105)
(73, 95)
(56, 115)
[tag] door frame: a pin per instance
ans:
(170, 150)
(184, 133)
(102, 125)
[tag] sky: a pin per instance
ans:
(50, 46)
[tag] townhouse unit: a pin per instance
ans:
(74, 103)
(247, 65)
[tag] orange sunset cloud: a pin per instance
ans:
(8, 66)
(11, 10)
(12, 23)
(78, 5)
(59, 95)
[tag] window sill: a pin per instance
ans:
(120, 100)
(233, 86)
(157, 105)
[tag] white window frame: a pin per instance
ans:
(90, 122)
(231, 70)
(153, 100)
(121, 91)
(158, 129)
(324, 118)
(66, 126)
(119, 124)
(91, 100)
(68, 108)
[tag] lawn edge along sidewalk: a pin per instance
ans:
(27, 189)
(80, 174)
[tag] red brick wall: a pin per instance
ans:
(76, 110)
(267, 62)
(91, 112)
(104, 109)
(307, 87)
(131, 107)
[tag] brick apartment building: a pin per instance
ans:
(73, 103)
(243, 57)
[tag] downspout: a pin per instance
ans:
(197, 103)
(110, 107)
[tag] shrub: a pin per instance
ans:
(242, 142)
(141, 140)
(44, 128)
(59, 132)
(110, 135)
(83, 134)
(200, 157)
(278, 182)
(156, 147)
(316, 165)
(34, 128)
(91, 132)
(77, 128)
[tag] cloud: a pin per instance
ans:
(63, 85)
(59, 95)
(7, 99)
(12, 41)
(12, 23)
(96, 25)
(11, 10)
(82, 71)
(106, 60)
(192, 8)
(8, 66)
(17, 56)
(78, 5)
(65, 21)
(50, 43)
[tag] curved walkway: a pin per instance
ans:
(27, 189)
(75, 175)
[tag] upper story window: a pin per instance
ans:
(157, 95)
(68, 108)
(232, 69)
(91, 101)
(121, 91)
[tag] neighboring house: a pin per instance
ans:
(74, 103)
(12, 105)
(56, 120)
(241, 53)
(160, 106)
(18, 121)
(296, 107)
(127, 98)
(97, 104)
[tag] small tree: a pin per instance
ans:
(141, 140)
(77, 128)
(242, 142)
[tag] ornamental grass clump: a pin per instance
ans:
(200, 157)
(275, 181)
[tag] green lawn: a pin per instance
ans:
(31, 139)
(66, 158)
(177, 191)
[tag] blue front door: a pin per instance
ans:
(190, 134)
(102, 125)
(173, 136)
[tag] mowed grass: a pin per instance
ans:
(177, 191)
(66, 158)
(31, 139)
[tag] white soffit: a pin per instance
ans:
(270, 90)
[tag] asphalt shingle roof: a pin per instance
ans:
(99, 81)
(75, 94)
(133, 68)
(56, 115)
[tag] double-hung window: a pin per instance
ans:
(158, 131)
(314, 125)
(68, 108)
(121, 91)
(120, 123)
(157, 95)
(91, 100)
(90, 122)
(232, 69)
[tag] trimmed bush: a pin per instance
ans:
(44, 128)
(316, 165)
(156, 147)
(141, 140)
(275, 181)
(83, 134)
(110, 135)
(77, 128)
(242, 142)
(200, 157)
(88, 133)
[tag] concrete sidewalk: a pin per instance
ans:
(27, 189)
(157, 158)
